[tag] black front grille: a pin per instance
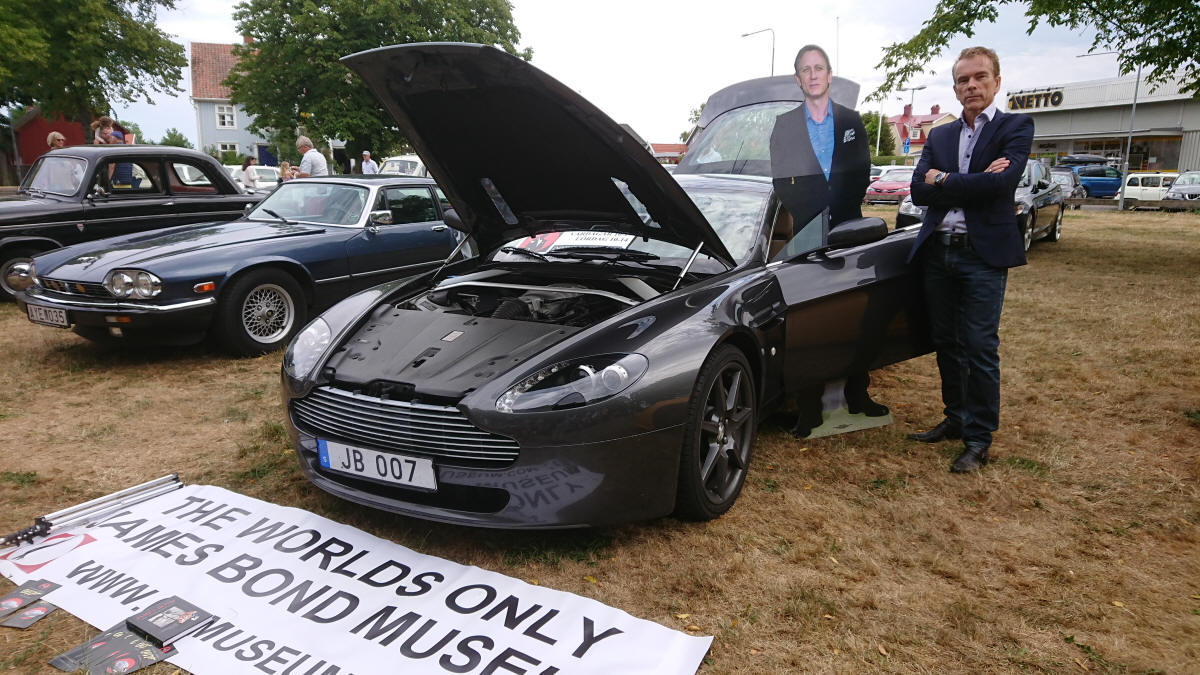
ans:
(437, 431)
(77, 288)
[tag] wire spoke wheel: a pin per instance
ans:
(268, 313)
(259, 312)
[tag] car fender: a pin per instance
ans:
(41, 243)
(298, 271)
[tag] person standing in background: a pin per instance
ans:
(312, 162)
(368, 165)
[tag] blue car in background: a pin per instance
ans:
(1098, 179)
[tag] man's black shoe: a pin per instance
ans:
(974, 456)
(945, 430)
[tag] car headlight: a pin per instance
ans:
(132, 284)
(1173, 194)
(306, 349)
(574, 383)
(910, 209)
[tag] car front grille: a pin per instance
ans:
(75, 288)
(438, 431)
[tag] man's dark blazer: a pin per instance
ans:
(986, 198)
(797, 174)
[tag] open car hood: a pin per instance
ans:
(519, 153)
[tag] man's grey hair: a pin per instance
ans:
(302, 141)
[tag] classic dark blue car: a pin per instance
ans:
(253, 282)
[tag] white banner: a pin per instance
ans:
(299, 594)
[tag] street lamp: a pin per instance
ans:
(1137, 83)
(772, 45)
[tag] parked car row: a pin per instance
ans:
(1038, 203)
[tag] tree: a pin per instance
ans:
(1162, 36)
(693, 119)
(887, 141)
(77, 61)
(175, 137)
(290, 75)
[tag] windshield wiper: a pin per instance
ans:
(269, 212)
(524, 251)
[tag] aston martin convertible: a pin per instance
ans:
(609, 353)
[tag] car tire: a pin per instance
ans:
(1087, 194)
(1055, 232)
(8, 259)
(1027, 234)
(718, 436)
(259, 312)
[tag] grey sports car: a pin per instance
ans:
(608, 355)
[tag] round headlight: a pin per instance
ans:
(306, 349)
(119, 283)
(574, 383)
(147, 285)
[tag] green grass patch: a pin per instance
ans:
(19, 478)
(1036, 468)
(1192, 416)
(582, 547)
(767, 484)
(22, 656)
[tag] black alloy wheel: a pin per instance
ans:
(10, 262)
(718, 436)
(1055, 232)
(259, 312)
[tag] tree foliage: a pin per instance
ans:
(1159, 35)
(290, 76)
(175, 137)
(76, 59)
(887, 140)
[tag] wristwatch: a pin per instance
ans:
(940, 178)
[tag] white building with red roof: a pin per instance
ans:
(220, 124)
(916, 128)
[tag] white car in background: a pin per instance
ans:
(260, 177)
(1149, 186)
(406, 165)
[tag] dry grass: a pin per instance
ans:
(847, 554)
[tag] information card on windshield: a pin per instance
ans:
(576, 239)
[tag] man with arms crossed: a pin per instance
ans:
(967, 175)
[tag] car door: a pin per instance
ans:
(126, 195)
(850, 310)
(1133, 188)
(415, 237)
(196, 196)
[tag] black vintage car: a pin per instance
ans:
(252, 282)
(610, 353)
(1038, 202)
(89, 192)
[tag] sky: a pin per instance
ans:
(648, 63)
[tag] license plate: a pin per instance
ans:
(386, 467)
(47, 315)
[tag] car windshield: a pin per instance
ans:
(314, 202)
(897, 175)
(1190, 178)
(407, 167)
(265, 173)
(738, 142)
(735, 216)
(57, 175)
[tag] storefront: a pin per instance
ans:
(1093, 118)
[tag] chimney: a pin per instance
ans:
(907, 110)
(246, 39)
(935, 110)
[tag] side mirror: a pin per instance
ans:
(246, 208)
(1043, 184)
(97, 192)
(381, 217)
(857, 232)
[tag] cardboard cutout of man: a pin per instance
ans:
(820, 159)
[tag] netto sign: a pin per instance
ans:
(1038, 99)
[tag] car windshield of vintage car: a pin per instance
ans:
(738, 142)
(1190, 178)
(897, 176)
(56, 175)
(314, 202)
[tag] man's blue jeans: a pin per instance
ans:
(964, 296)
